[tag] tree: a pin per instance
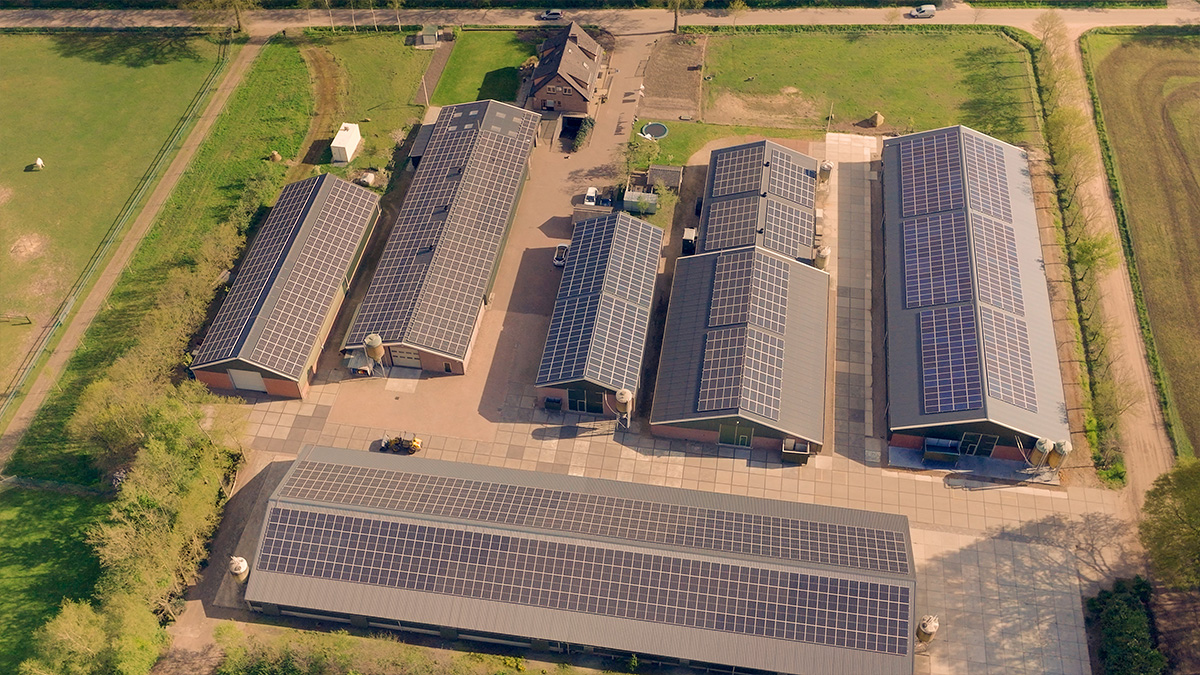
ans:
(353, 18)
(307, 6)
(396, 6)
(892, 15)
(329, 9)
(1170, 531)
(221, 12)
(371, 6)
(735, 9)
(676, 5)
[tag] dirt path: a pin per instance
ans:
(324, 74)
(91, 305)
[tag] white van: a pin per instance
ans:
(923, 12)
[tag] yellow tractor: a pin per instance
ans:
(406, 443)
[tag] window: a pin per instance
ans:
(566, 91)
(552, 89)
(446, 365)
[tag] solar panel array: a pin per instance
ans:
(738, 170)
(788, 230)
(320, 257)
(434, 271)
(601, 315)
(987, 182)
(930, 174)
(257, 272)
(762, 379)
(791, 181)
(721, 374)
(731, 223)
(1007, 359)
(950, 372)
(997, 268)
(937, 266)
(548, 573)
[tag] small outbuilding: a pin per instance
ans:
(346, 143)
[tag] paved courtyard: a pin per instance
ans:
(1005, 567)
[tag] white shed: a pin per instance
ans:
(345, 143)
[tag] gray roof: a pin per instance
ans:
(701, 316)
(285, 286)
(438, 261)
(760, 193)
(574, 55)
(620, 566)
(970, 333)
(598, 329)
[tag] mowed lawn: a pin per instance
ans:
(684, 139)
(382, 75)
(96, 108)
(916, 80)
(484, 64)
(1150, 96)
(43, 559)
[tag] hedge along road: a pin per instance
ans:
(1148, 450)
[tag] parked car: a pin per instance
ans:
(923, 12)
(589, 198)
(560, 255)
(550, 15)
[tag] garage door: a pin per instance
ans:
(405, 357)
(248, 380)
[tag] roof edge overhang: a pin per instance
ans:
(205, 366)
(736, 412)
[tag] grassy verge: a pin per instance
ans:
(484, 64)
(43, 559)
(684, 139)
(269, 112)
(1139, 85)
(97, 108)
(918, 79)
(382, 75)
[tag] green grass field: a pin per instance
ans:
(1149, 90)
(484, 64)
(270, 111)
(916, 80)
(43, 559)
(685, 138)
(382, 76)
(96, 108)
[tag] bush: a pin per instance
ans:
(1122, 618)
(581, 136)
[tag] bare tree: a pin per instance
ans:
(329, 8)
(396, 6)
(353, 18)
(371, 7)
(735, 9)
(892, 15)
(221, 12)
(307, 6)
(676, 5)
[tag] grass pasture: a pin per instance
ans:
(43, 559)
(381, 75)
(1149, 89)
(270, 111)
(97, 108)
(485, 64)
(684, 139)
(917, 80)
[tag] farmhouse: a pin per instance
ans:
(581, 565)
(744, 348)
(437, 268)
(270, 329)
(971, 354)
(598, 329)
(566, 75)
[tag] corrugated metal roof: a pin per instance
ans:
(430, 283)
(285, 286)
(959, 183)
(373, 503)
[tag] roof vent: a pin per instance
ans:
(766, 162)
(427, 248)
(764, 194)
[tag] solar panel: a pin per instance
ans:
(615, 356)
(731, 288)
(731, 223)
(257, 271)
(721, 374)
(292, 328)
(460, 203)
(571, 326)
(950, 373)
(633, 264)
(1006, 359)
(768, 300)
(762, 378)
(987, 182)
(788, 230)
(737, 170)
(639, 520)
(997, 268)
(937, 267)
(583, 577)
(591, 244)
(789, 180)
(930, 174)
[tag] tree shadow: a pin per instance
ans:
(994, 103)
(132, 50)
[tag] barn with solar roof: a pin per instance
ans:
(272, 325)
(972, 361)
